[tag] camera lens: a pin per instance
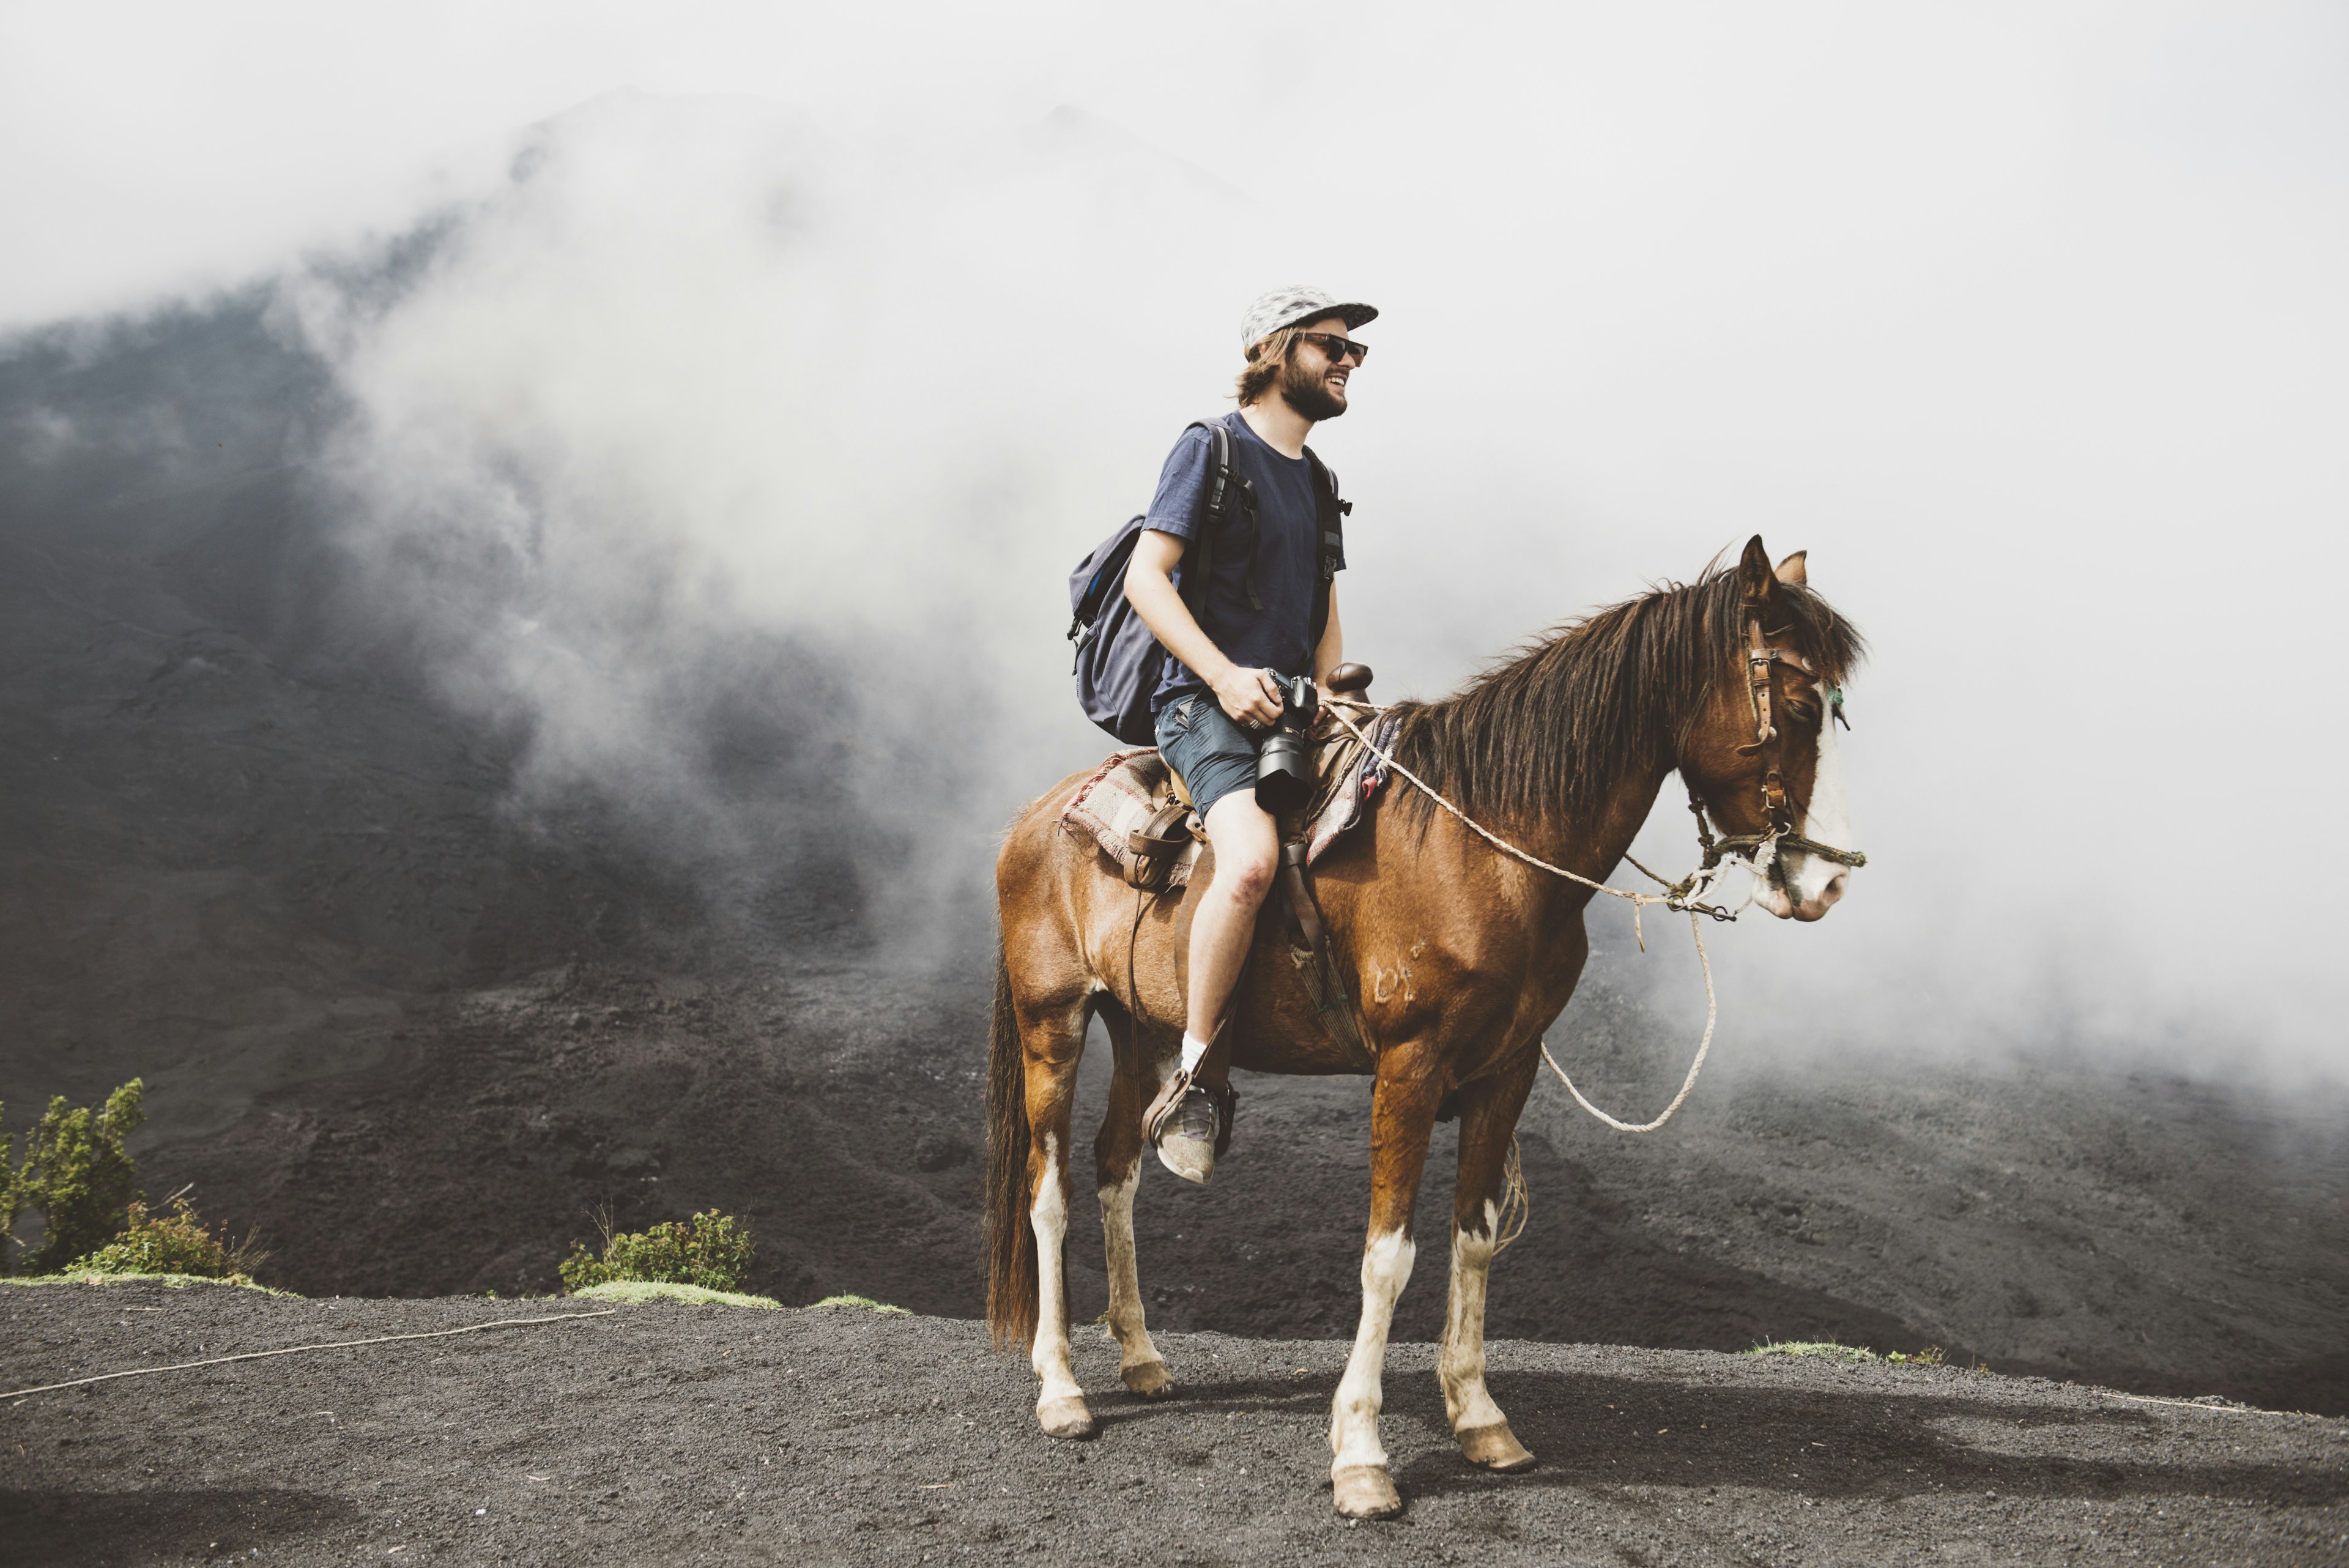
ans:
(1284, 766)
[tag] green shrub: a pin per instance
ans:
(710, 1249)
(173, 1243)
(76, 1173)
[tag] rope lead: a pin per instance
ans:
(1679, 895)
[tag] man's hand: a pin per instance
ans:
(1250, 697)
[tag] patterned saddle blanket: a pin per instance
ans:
(1121, 796)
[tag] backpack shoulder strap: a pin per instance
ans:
(1330, 551)
(1229, 498)
(1334, 509)
(1220, 470)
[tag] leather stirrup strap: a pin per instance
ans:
(1303, 913)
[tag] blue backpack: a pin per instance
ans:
(1119, 662)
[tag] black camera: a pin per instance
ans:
(1284, 764)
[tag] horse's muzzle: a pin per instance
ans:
(1786, 901)
(1814, 907)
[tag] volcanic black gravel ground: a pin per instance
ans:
(668, 1433)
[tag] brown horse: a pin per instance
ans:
(1459, 958)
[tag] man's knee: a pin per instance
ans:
(1247, 877)
(1248, 850)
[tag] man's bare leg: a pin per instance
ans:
(1248, 850)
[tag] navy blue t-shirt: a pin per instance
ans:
(1278, 637)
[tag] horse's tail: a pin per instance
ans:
(1011, 1280)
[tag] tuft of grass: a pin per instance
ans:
(1932, 1355)
(1825, 1349)
(710, 1249)
(867, 1302)
(173, 1243)
(635, 1293)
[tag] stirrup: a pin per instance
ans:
(1169, 1100)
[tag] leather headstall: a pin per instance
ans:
(1762, 662)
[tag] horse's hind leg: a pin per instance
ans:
(1052, 1045)
(1117, 1167)
(1488, 1122)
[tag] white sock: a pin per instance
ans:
(1195, 1050)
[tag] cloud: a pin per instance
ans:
(2025, 324)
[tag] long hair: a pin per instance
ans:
(1268, 357)
(1546, 733)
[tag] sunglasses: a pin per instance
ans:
(1337, 347)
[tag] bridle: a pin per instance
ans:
(1762, 662)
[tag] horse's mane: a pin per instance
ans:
(1546, 733)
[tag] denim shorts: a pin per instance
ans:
(1214, 755)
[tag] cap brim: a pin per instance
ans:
(1356, 314)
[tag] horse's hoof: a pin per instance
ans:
(1066, 1417)
(1149, 1378)
(1494, 1448)
(1365, 1491)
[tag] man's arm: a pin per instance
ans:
(1332, 651)
(1150, 589)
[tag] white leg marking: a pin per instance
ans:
(1049, 1215)
(1124, 1276)
(1354, 1418)
(1462, 1364)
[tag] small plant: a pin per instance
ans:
(1932, 1355)
(867, 1302)
(76, 1173)
(710, 1249)
(1827, 1349)
(174, 1243)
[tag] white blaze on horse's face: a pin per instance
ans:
(1804, 887)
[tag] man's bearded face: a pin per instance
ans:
(1309, 383)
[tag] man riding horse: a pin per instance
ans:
(1450, 901)
(1267, 611)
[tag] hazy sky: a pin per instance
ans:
(2027, 321)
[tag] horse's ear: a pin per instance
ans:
(1754, 574)
(1792, 573)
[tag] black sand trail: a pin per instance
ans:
(675, 1434)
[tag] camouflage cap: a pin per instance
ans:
(1298, 302)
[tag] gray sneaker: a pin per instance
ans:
(1187, 1141)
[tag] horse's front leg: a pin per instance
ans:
(1053, 1046)
(1488, 1123)
(1403, 1115)
(1117, 1171)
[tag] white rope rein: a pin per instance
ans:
(1638, 901)
(298, 1349)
